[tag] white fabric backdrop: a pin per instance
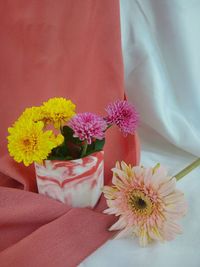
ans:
(161, 43)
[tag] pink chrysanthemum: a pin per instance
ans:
(124, 115)
(87, 126)
(146, 201)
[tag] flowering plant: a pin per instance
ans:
(54, 131)
(146, 201)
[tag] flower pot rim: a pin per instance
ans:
(71, 160)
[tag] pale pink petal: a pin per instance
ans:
(111, 211)
(138, 172)
(120, 174)
(170, 230)
(169, 235)
(127, 169)
(167, 188)
(117, 182)
(161, 171)
(155, 234)
(176, 196)
(159, 177)
(124, 166)
(124, 233)
(148, 176)
(143, 238)
(109, 192)
(175, 227)
(177, 210)
(173, 215)
(120, 224)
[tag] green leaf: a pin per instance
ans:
(96, 146)
(67, 131)
(51, 157)
(99, 144)
(68, 135)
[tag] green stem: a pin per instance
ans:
(188, 169)
(108, 127)
(84, 149)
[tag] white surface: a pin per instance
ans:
(161, 43)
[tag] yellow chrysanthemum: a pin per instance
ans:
(33, 114)
(28, 143)
(58, 139)
(58, 110)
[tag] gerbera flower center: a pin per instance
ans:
(140, 203)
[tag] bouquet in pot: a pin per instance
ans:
(67, 147)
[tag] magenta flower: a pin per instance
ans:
(87, 126)
(124, 115)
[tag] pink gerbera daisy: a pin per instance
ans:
(147, 202)
(87, 126)
(124, 115)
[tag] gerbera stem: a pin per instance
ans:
(84, 149)
(188, 169)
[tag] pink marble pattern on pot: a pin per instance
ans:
(77, 183)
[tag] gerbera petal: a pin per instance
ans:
(124, 233)
(138, 173)
(109, 192)
(147, 201)
(127, 169)
(167, 188)
(159, 177)
(174, 197)
(120, 174)
(117, 182)
(111, 210)
(176, 227)
(120, 224)
(171, 229)
(161, 171)
(148, 176)
(143, 238)
(176, 210)
(155, 234)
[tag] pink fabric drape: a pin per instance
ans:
(56, 48)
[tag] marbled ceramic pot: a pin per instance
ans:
(78, 183)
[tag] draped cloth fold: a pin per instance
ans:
(56, 48)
